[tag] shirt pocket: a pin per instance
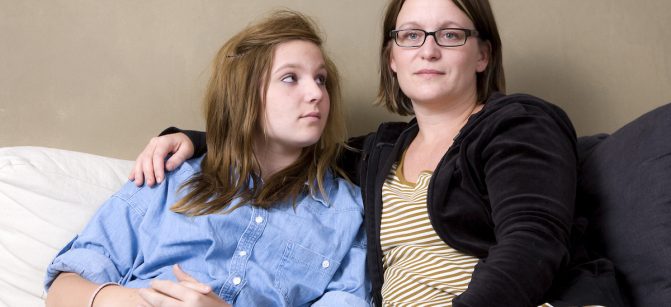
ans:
(302, 275)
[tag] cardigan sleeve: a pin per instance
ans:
(529, 165)
(197, 139)
(348, 161)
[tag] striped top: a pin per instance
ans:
(420, 269)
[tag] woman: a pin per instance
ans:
(470, 203)
(261, 220)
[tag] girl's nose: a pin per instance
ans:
(314, 92)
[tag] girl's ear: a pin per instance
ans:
(484, 54)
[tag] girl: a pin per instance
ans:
(261, 220)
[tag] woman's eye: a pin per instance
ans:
(412, 35)
(289, 78)
(452, 35)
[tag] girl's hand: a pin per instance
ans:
(187, 292)
(150, 165)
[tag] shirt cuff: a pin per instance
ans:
(89, 264)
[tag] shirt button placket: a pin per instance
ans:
(237, 280)
(247, 241)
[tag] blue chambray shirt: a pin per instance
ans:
(311, 255)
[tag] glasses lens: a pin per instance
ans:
(451, 37)
(409, 38)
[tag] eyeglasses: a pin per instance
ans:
(448, 37)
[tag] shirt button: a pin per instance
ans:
(325, 264)
(242, 253)
(259, 219)
(237, 280)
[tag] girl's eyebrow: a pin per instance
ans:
(295, 66)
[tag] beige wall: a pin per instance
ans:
(104, 76)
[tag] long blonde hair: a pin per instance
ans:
(233, 111)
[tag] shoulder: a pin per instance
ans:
(143, 197)
(387, 133)
(390, 131)
(510, 113)
(342, 195)
(522, 105)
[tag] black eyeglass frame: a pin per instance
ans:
(393, 34)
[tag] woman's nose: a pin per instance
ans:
(430, 49)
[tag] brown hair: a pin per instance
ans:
(233, 110)
(491, 80)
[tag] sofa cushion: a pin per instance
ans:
(625, 192)
(46, 197)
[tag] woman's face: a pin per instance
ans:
(297, 103)
(431, 73)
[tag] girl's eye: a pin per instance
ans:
(289, 78)
(321, 79)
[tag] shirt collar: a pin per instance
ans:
(329, 181)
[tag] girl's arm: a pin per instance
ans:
(102, 252)
(70, 289)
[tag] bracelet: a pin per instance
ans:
(97, 290)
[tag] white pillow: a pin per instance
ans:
(46, 196)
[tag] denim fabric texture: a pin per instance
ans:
(310, 254)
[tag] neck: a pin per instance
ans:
(273, 158)
(438, 121)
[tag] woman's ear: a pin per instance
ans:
(392, 62)
(484, 55)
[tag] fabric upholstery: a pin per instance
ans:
(625, 192)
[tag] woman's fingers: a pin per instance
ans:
(182, 149)
(151, 164)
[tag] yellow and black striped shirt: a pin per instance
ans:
(420, 269)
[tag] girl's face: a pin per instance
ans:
(297, 103)
(431, 73)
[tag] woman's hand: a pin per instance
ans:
(150, 165)
(187, 292)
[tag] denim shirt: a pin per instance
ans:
(313, 254)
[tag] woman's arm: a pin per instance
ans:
(151, 163)
(70, 289)
(530, 168)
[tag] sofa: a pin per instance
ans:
(46, 196)
(623, 207)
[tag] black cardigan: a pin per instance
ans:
(504, 192)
